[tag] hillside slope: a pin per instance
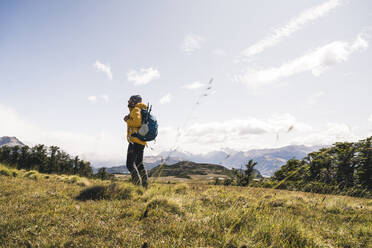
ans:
(43, 211)
(186, 169)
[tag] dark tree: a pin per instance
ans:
(244, 177)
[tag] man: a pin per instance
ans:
(136, 146)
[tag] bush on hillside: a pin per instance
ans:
(110, 192)
(161, 207)
(32, 175)
(5, 172)
(83, 182)
(103, 174)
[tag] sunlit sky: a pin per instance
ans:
(284, 72)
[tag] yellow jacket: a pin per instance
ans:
(134, 123)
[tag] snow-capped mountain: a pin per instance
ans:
(268, 160)
(10, 141)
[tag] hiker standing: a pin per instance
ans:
(136, 146)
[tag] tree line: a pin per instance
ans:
(344, 168)
(45, 160)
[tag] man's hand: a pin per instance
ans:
(126, 117)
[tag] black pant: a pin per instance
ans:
(135, 163)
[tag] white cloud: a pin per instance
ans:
(165, 99)
(313, 99)
(104, 68)
(370, 118)
(192, 43)
(327, 135)
(219, 52)
(11, 124)
(143, 76)
(105, 97)
(92, 99)
(294, 25)
(317, 61)
(244, 134)
(195, 85)
(242, 129)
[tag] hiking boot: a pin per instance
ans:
(135, 178)
(143, 173)
(145, 184)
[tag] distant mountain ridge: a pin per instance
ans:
(268, 160)
(10, 141)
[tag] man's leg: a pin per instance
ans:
(139, 163)
(131, 157)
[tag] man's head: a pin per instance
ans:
(133, 100)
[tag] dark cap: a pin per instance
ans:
(136, 98)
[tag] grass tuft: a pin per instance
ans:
(83, 182)
(103, 192)
(32, 175)
(181, 189)
(5, 171)
(160, 206)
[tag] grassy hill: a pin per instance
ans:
(186, 169)
(39, 210)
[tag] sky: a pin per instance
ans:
(219, 74)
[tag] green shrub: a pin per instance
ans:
(227, 181)
(181, 188)
(32, 175)
(92, 193)
(72, 179)
(290, 236)
(161, 205)
(217, 181)
(110, 192)
(264, 234)
(83, 182)
(5, 172)
(319, 187)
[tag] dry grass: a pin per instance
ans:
(47, 213)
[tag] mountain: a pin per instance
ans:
(10, 141)
(268, 160)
